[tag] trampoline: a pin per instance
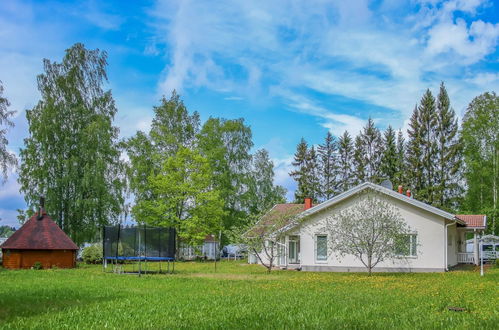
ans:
(128, 249)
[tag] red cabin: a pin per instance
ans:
(39, 240)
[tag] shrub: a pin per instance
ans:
(497, 263)
(92, 254)
(37, 265)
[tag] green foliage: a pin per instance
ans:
(184, 197)
(449, 155)
(239, 295)
(226, 144)
(368, 154)
(6, 231)
(390, 161)
(345, 162)
(427, 124)
(306, 173)
(37, 265)
(7, 159)
(262, 193)
(328, 159)
(92, 254)
(481, 155)
(71, 154)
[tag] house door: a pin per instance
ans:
(294, 249)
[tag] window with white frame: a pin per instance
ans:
(321, 247)
(407, 246)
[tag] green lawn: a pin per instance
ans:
(244, 296)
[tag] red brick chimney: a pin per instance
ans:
(401, 189)
(308, 203)
(408, 193)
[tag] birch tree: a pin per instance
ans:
(480, 134)
(372, 230)
(71, 153)
(7, 159)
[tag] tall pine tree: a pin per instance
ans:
(400, 176)
(345, 162)
(414, 153)
(299, 174)
(329, 167)
(427, 126)
(368, 154)
(313, 175)
(449, 154)
(389, 161)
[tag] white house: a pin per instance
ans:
(437, 240)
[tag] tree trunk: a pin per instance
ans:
(369, 264)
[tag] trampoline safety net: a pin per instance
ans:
(139, 243)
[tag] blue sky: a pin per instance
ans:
(292, 69)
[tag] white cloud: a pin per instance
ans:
(472, 44)
(295, 47)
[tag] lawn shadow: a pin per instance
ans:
(34, 301)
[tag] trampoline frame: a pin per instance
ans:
(118, 261)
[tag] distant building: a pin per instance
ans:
(209, 250)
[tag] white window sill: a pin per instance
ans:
(321, 261)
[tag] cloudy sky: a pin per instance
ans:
(292, 69)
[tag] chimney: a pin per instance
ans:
(41, 211)
(408, 193)
(401, 189)
(308, 203)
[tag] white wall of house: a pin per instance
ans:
(430, 230)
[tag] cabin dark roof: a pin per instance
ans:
(42, 234)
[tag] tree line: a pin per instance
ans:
(200, 178)
(450, 167)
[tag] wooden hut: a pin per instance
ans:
(39, 240)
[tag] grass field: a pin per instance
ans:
(244, 296)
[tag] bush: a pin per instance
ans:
(92, 254)
(497, 263)
(37, 265)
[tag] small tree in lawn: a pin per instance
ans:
(264, 235)
(372, 230)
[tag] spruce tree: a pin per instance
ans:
(345, 162)
(328, 166)
(313, 175)
(368, 153)
(389, 162)
(400, 176)
(414, 153)
(427, 125)
(449, 154)
(299, 174)
(359, 174)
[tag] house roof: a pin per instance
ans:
(293, 218)
(277, 217)
(42, 234)
(375, 187)
(474, 221)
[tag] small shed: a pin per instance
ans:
(39, 240)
